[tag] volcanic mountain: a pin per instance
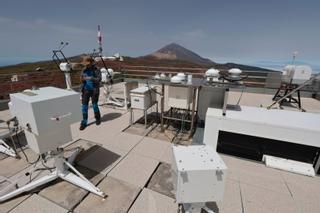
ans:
(175, 51)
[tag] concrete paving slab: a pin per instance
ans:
(150, 201)
(84, 144)
(264, 180)
(102, 159)
(3, 156)
(304, 189)
(247, 168)
(151, 148)
(126, 141)
(161, 181)
(232, 199)
(68, 195)
(87, 148)
(310, 207)
(257, 199)
(140, 129)
(10, 204)
(3, 182)
(120, 196)
(23, 177)
(297, 178)
(38, 204)
(10, 166)
(91, 133)
(167, 156)
(134, 169)
(111, 124)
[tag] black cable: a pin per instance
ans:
(20, 146)
(46, 167)
(22, 150)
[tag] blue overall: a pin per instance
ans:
(89, 90)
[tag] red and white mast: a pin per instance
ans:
(99, 41)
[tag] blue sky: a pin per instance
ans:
(247, 31)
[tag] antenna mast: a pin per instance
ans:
(99, 41)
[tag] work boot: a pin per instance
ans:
(82, 127)
(98, 118)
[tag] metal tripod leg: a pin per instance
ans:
(6, 149)
(61, 171)
(85, 184)
(79, 180)
(30, 186)
(109, 98)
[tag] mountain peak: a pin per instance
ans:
(174, 51)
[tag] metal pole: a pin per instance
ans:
(193, 111)
(225, 102)
(162, 107)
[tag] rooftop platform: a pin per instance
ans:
(133, 168)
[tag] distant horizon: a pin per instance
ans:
(273, 65)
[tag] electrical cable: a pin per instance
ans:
(22, 150)
(47, 167)
(20, 146)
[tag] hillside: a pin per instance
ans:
(174, 51)
(172, 55)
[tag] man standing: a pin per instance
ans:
(90, 78)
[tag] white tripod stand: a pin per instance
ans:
(61, 171)
(6, 149)
(46, 133)
(106, 79)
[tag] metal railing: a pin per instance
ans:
(255, 79)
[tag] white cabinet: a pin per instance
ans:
(180, 97)
(199, 174)
(142, 97)
(46, 115)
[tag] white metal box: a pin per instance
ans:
(210, 97)
(142, 97)
(46, 115)
(199, 174)
(179, 97)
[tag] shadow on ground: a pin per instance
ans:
(107, 117)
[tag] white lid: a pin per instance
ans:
(181, 74)
(176, 79)
(212, 72)
(235, 71)
(197, 157)
(141, 90)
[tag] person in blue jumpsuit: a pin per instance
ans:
(90, 78)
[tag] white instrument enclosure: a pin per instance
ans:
(199, 174)
(46, 115)
(180, 97)
(65, 67)
(142, 97)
